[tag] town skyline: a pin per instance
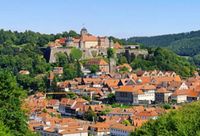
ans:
(145, 19)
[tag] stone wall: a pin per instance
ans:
(51, 53)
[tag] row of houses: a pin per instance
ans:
(160, 90)
(46, 117)
(135, 88)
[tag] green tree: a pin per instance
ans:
(11, 97)
(70, 72)
(94, 68)
(4, 131)
(73, 34)
(71, 95)
(105, 112)
(62, 59)
(122, 60)
(124, 70)
(111, 98)
(90, 115)
(126, 122)
(76, 53)
(79, 72)
(110, 53)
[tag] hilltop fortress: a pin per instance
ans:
(91, 46)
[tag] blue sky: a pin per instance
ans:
(120, 18)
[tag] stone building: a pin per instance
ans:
(91, 46)
(85, 41)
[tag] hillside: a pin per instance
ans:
(164, 59)
(20, 50)
(163, 40)
(182, 122)
(184, 44)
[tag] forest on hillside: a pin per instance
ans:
(184, 44)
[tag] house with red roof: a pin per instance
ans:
(103, 65)
(187, 95)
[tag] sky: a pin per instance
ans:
(119, 18)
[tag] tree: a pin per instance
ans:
(73, 34)
(76, 53)
(105, 112)
(167, 106)
(90, 115)
(4, 131)
(164, 59)
(70, 72)
(122, 60)
(126, 122)
(111, 98)
(94, 68)
(124, 70)
(61, 59)
(110, 53)
(11, 97)
(71, 95)
(79, 72)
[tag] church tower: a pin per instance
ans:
(83, 31)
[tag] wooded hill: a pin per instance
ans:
(184, 44)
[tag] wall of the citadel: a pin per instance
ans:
(53, 51)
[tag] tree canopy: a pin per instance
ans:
(164, 59)
(182, 122)
(12, 119)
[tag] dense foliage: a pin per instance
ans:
(12, 118)
(19, 38)
(71, 66)
(164, 59)
(184, 44)
(186, 47)
(94, 68)
(21, 51)
(163, 40)
(182, 122)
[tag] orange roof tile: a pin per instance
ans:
(89, 37)
(125, 89)
(123, 127)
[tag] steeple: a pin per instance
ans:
(83, 31)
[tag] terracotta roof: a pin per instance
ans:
(148, 87)
(147, 114)
(187, 92)
(123, 127)
(92, 80)
(162, 90)
(89, 37)
(60, 41)
(111, 82)
(125, 89)
(97, 61)
(53, 102)
(66, 101)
